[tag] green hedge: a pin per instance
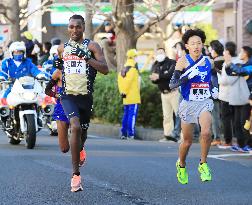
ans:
(108, 105)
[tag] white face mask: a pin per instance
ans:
(160, 57)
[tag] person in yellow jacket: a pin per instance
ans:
(129, 88)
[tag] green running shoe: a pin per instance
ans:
(181, 174)
(205, 172)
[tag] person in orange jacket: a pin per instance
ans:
(129, 88)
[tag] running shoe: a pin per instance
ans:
(83, 156)
(236, 148)
(131, 138)
(247, 148)
(205, 172)
(181, 174)
(123, 137)
(76, 184)
(225, 145)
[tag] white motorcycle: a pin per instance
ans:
(21, 114)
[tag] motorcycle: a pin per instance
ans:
(20, 112)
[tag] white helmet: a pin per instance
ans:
(17, 46)
(53, 50)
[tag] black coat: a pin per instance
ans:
(165, 70)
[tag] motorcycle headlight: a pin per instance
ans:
(29, 96)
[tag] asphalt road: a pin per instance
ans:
(120, 172)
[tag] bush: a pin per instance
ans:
(108, 105)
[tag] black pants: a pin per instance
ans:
(241, 114)
(227, 115)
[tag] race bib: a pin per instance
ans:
(74, 64)
(199, 91)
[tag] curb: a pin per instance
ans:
(114, 132)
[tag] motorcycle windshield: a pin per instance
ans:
(28, 86)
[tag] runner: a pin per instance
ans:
(54, 89)
(193, 74)
(81, 59)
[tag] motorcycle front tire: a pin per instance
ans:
(31, 131)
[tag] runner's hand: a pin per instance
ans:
(215, 93)
(193, 73)
(77, 51)
(181, 63)
(58, 63)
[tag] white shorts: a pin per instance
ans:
(189, 111)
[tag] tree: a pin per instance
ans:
(17, 14)
(122, 17)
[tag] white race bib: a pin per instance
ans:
(74, 64)
(199, 91)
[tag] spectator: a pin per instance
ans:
(242, 113)
(29, 44)
(238, 98)
(216, 51)
(129, 88)
(55, 41)
(45, 53)
(162, 71)
(225, 88)
(244, 69)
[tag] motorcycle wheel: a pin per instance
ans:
(14, 142)
(31, 131)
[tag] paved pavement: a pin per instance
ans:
(119, 173)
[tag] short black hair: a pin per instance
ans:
(248, 50)
(194, 32)
(217, 47)
(76, 16)
(48, 46)
(231, 47)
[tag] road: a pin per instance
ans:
(119, 173)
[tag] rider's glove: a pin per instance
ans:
(41, 76)
(77, 51)
(193, 73)
(215, 93)
(58, 63)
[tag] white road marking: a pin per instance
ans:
(223, 156)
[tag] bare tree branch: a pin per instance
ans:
(163, 16)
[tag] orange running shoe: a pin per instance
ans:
(83, 156)
(76, 183)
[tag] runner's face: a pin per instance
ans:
(76, 29)
(195, 46)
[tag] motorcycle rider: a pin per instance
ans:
(18, 65)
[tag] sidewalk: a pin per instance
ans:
(114, 131)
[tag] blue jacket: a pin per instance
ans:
(242, 70)
(26, 68)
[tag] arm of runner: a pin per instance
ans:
(176, 81)
(99, 62)
(48, 90)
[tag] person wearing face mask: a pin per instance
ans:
(216, 51)
(129, 88)
(18, 65)
(162, 71)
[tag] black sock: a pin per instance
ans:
(76, 173)
(181, 166)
